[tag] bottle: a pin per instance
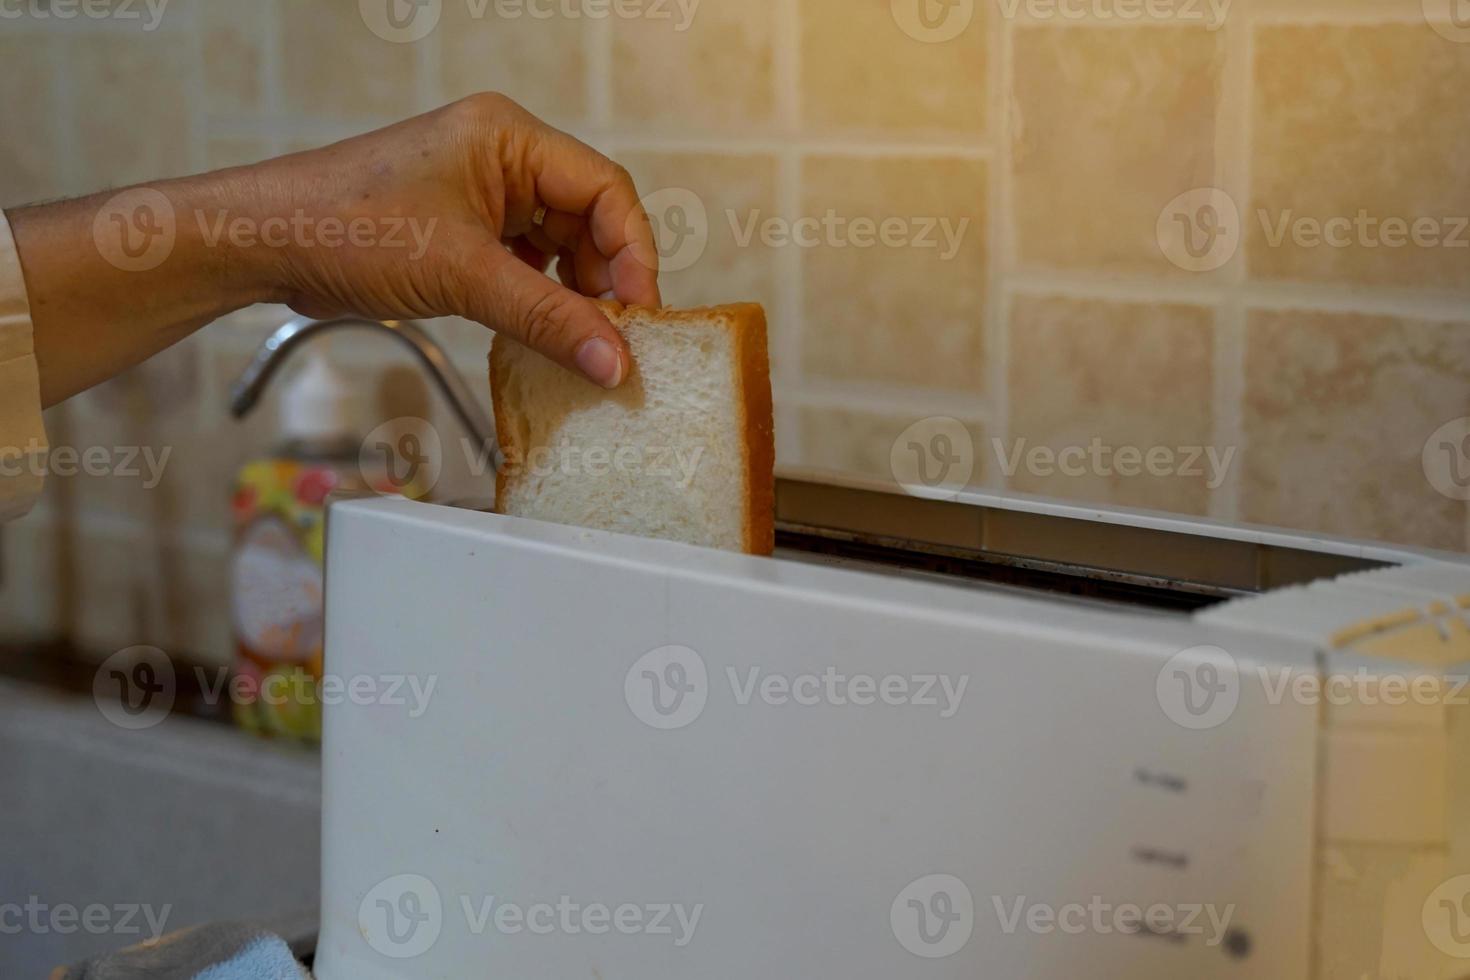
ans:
(276, 566)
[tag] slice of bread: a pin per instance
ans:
(683, 449)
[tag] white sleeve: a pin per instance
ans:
(22, 438)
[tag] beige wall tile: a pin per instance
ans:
(29, 127)
(736, 193)
(28, 594)
(233, 43)
(541, 63)
(155, 458)
(235, 151)
(197, 617)
(127, 589)
(1338, 408)
(332, 64)
(131, 97)
(861, 443)
(1122, 376)
(111, 596)
(465, 341)
(854, 54)
(1360, 119)
(911, 314)
(714, 75)
(1109, 125)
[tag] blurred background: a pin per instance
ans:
(1081, 227)
(1209, 257)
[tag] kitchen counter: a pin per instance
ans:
(190, 818)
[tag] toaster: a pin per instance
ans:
(976, 735)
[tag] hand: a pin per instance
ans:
(469, 179)
(435, 216)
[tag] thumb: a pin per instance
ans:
(512, 298)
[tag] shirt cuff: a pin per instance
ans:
(23, 445)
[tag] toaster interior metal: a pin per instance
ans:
(1032, 549)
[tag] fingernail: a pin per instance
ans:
(599, 360)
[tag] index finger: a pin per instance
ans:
(571, 176)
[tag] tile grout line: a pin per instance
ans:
(205, 410)
(652, 142)
(871, 397)
(63, 98)
(1228, 355)
(790, 273)
(196, 110)
(1000, 254)
(273, 93)
(1314, 297)
(597, 42)
(428, 63)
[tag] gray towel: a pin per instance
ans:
(222, 951)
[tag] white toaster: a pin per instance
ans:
(985, 737)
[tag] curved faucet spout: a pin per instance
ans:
(278, 346)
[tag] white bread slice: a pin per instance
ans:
(683, 449)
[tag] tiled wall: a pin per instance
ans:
(1099, 240)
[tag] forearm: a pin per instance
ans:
(118, 276)
(452, 213)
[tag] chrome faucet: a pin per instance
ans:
(273, 353)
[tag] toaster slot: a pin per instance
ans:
(1026, 547)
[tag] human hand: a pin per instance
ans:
(470, 178)
(439, 215)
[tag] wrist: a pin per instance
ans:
(230, 225)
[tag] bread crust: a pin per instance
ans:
(747, 323)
